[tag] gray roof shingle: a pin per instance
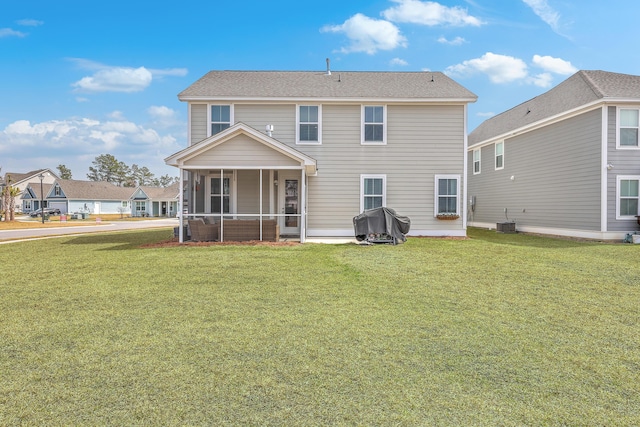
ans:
(94, 190)
(582, 88)
(320, 85)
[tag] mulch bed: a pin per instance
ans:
(175, 243)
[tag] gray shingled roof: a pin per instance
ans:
(94, 190)
(314, 84)
(582, 88)
(162, 193)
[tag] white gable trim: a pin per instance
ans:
(178, 159)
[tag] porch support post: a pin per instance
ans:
(272, 196)
(222, 205)
(303, 206)
(181, 208)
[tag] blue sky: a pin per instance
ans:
(80, 79)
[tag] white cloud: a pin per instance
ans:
(8, 32)
(108, 78)
(30, 22)
(541, 80)
(429, 13)
(73, 141)
(368, 35)
(554, 65)
(499, 68)
(486, 114)
(455, 42)
(115, 79)
(399, 61)
(545, 12)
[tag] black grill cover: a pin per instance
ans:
(380, 221)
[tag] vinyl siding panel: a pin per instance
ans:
(556, 171)
(421, 141)
(198, 123)
(281, 116)
(241, 152)
(625, 162)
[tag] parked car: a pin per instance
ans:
(47, 211)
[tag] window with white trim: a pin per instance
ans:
(499, 155)
(220, 118)
(220, 195)
(447, 194)
(309, 125)
(140, 207)
(374, 129)
(628, 126)
(476, 161)
(628, 197)
(373, 191)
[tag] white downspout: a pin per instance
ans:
(181, 208)
(303, 207)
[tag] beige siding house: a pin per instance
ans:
(314, 149)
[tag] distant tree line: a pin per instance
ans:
(107, 168)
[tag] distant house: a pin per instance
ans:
(155, 201)
(21, 181)
(566, 162)
(314, 149)
(95, 197)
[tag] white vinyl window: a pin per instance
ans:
(628, 197)
(476, 161)
(309, 124)
(628, 125)
(499, 155)
(373, 191)
(447, 195)
(220, 118)
(374, 128)
(140, 207)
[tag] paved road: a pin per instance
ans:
(29, 233)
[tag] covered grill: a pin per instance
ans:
(381, 225)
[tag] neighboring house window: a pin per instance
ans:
(499, 155)
(125, 203)
(309, 128)
(628, 128)
(220, 118)
(141, 207)
(56, 191)
(373, 124)
(447, 194)
(27, 205)
(373, 189)
(476, 161)
(628, 191)
(220, 195)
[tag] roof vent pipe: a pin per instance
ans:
(328, 67)
(269, 129)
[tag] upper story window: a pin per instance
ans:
(373, 191)
(309, 124)
(628, 119)
(499, 155)
(447, 194)
(220, 118)
(374, 129)
(628, 192)
(476, 161)
(57, 191)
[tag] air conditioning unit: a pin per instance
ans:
(506, 227)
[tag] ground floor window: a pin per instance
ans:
(373, 191)
(220, 196)
(628, 197)
(141, 208)
(447, 194)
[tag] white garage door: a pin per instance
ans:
(60, 205)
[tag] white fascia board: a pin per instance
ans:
(540, 123)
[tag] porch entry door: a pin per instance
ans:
(289, 202)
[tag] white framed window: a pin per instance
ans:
(140, 207)
(499, 155)
(374, 124)
(447, 195)
(220, 197)
(309, 129)
(373, 191)
(627, 196)
(628, 126)
(220, 117)
(57, 191)
(476, 161)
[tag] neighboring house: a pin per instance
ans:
(95, 197)
(21, 181)
(314, 149)
(566, 162)
(155, 201)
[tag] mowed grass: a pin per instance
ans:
(493, 330)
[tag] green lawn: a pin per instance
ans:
(495, 330)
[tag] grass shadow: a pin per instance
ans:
(529, 240)
(121, 240)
